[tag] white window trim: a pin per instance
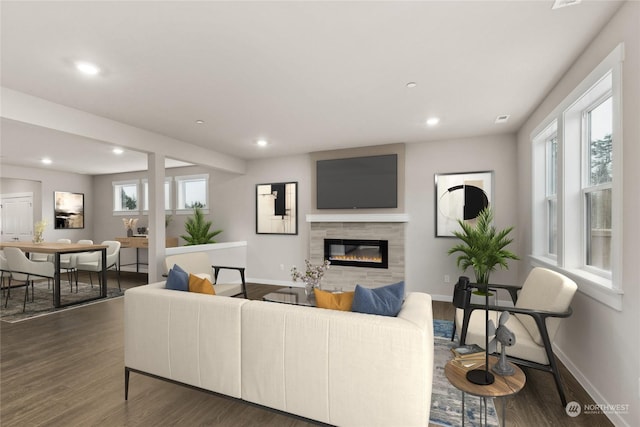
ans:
(145, 189)
(135, 182)
(550, 133)
(605, 290)
(189, 211)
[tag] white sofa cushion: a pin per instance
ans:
(187, 337)
(340, 367)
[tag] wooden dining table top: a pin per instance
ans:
(52, 247)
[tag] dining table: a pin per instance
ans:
(57, 249)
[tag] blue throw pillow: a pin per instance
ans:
(384, 301)
(177, 279)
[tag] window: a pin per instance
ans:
(192, 191)
(551, 147)
(598, 124)
(125, 197)
(577, 178)
(167, 194)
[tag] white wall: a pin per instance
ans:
(427, 261)
(50, 182)
(270, 257)
(599, 344)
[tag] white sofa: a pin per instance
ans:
(340, 368)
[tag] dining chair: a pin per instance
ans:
(69, 262)
(5, 273)
(25, 270)
(65, 259)
(91, 262)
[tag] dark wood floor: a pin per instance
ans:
(66, 369)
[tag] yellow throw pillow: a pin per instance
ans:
(338, 301)
(200, 285)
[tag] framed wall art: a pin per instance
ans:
(68, 210)
(277, 208)
(461, 196)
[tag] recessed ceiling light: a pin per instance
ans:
(87, 68)
(117, 151)
(46, 161)
(432, 121)
(412, 84)
(199, 122)
(502, 119)
(262, 142)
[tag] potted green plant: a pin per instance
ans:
(198, 229)
(482, 247)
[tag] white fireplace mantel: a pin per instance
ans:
(400, 217)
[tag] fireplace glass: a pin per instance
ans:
(357, 253)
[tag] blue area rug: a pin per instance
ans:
(446, 400)
(442, 328)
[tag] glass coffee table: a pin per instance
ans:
(291, 295)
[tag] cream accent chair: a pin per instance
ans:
(23, 269)
(92, 261)
(199, 264)
(544, 299)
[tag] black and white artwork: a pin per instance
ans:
(277, 208)
(461, 196)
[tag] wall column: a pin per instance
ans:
(157, 233)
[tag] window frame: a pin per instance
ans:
(179, 189)
(549, 195)
(116, 186)
(598, 284)
(587, 188)
(168, 196)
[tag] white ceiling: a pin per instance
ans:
(307, 76)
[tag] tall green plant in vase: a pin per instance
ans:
(482, 247)
(197, 229)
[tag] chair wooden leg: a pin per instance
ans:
(556, 376)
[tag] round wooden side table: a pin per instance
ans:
(503, 386)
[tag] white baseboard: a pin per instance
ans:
(598, 398)
(442, 298)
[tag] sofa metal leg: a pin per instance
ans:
(126, 383)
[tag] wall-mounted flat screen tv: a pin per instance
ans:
(357, 183)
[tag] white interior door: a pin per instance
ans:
(16, 218)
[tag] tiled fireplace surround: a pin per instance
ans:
(390, 227)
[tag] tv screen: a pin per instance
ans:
(357, 183)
